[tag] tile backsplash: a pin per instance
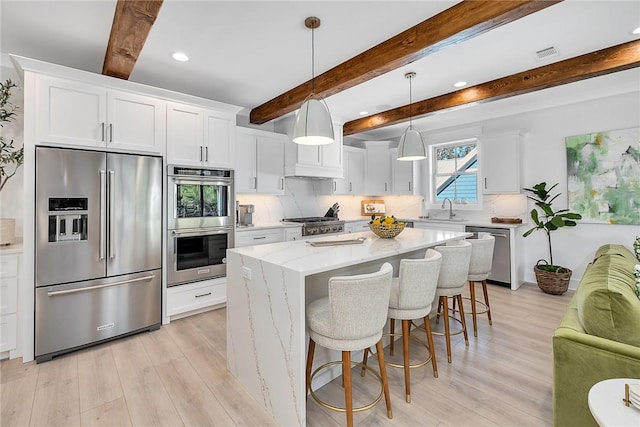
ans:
(309, 197)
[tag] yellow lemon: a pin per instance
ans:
(376, 221)
(389, 220)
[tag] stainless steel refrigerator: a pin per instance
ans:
(98, 247)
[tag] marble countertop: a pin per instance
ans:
(14, 248)
(304, 258)
(435, 220)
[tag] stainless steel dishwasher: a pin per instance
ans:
(501, 267)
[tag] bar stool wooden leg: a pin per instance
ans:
(405, 352)
(445, 306)
(392, 329)
(472, 293)
(486, 299)
(383, 374)
(464, 322)
(427, 327)
(312, 347)
(346, 375)
(365, 358)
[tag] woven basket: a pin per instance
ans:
(552, 283)
(387, 231)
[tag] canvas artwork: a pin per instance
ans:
(604, 176)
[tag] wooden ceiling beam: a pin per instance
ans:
(132, 22)
(617, 58)
(461, 22)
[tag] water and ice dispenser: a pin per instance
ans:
(68, 219)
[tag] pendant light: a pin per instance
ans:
(313, 125)
(411, 146)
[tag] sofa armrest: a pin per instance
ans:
(580, 361)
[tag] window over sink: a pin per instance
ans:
(454, 173)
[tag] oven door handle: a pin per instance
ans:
(200, 181)
(201, 232)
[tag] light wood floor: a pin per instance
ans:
(176, 376)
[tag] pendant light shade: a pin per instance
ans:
(313, 125)
(411, 146)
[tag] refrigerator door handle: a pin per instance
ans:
(103, 210)
(106, 285)
(112, 183)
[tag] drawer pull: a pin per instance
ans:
(260, 238)
(203, 295)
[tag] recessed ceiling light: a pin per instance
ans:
(364, 113)
(459, 84)
(636, 31)
(179, 56)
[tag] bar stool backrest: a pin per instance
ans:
(455, 264)
(418, 280)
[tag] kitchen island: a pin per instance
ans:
(268, 288)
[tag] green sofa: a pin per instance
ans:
(598, 337)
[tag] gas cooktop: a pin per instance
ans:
(316, 225)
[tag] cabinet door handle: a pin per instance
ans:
(350, 187)
(110, 132)
(201, 153)
(206, 154)
(335, 186)
(281, 183)
(485, 183)
(385, 186)
(255, 182)
(102, 130)
(203, 295)
(409, 185)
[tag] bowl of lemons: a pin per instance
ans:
(386, 227)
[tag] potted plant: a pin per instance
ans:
(10, 157)
(551, 278)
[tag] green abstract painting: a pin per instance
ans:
(603, 172)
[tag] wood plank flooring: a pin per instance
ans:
(176, 376)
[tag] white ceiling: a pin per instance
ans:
(245, 53)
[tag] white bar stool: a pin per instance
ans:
(479, 269)
(351, 318)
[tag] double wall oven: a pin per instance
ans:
(201, 218)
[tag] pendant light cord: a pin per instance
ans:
(410, 102)
(313, 65)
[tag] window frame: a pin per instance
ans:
(433, 203)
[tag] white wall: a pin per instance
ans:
(11, 195)
(544, 156)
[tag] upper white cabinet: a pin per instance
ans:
(353, 167)
(500, 162)
(378, 170)
(402, 174)
(199, 137)
(77, 114)
(321, 161)
(259, 161)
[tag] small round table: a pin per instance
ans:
(607, 406)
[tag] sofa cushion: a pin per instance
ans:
(606, 302)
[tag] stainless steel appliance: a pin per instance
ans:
(98, 247)
(201, 222)
(246, 215)
(320, 225)
(501, 267)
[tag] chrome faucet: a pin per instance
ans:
(451, 214)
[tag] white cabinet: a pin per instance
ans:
(196, 296)
(292, 233)
(500, 163)
(378, 170)
(249, 237)
(322, 161)
(9, 279)
(71, 113)
(259, 162)
(356, 226)
(199, 137)
(401, 174)
(354, 166)
(439, 226)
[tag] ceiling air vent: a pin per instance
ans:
(549, 52)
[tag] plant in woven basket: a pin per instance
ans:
(548, 220)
